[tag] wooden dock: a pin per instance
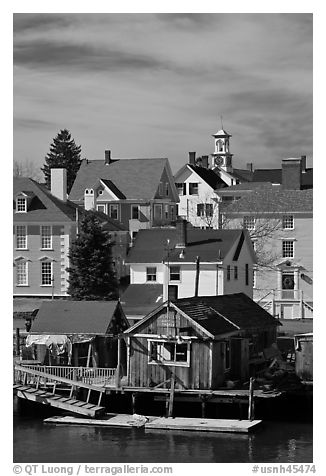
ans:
(58, 401)
(160, 423)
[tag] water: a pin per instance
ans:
(36, 442)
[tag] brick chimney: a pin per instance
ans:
(181, 227)
(192, 158)
(250, 166)
(107, 157)
(59, 183)
(204, 161)
(303, 163)
(291, 174)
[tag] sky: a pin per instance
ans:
(156, 85)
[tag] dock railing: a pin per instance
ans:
(89, 375)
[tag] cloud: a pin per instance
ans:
(55, 55)
(30, 123)
(24, 22)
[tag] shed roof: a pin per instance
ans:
(134, 178)
(74, 317)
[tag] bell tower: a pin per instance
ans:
(221, 156)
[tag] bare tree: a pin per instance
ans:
(28, 169)
(204, 211)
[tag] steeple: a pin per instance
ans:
(221, 156)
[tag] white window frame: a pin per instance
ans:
(167, 189)
(249, 222)
(20, 247)
(160, 189)
(285, 251)
(43, 274)
(288, 222)
(114, 206)
(148, 274)
(100, 205)
(25, 273)
(166, 211)
(50, 247)
(19, 202)
(193, 185)
(180, 187)
(162, 361)
(170, 274)
(158, 206)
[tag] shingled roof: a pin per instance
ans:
(140, 299)
(46, 208)
(269, 201)
(275, 176)
(211, 245)
(209, 176)
(75, 317)
(219, 315)
(231, 311)
(134, 178)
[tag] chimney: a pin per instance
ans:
(107, 157)
(59, 183)
(250, 167)
(192, 158)
(291, 174)
(181, 227)
(204, 161)
(303, 163)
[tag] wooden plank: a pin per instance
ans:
(203, 424)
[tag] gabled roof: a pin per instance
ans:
(219, 315)
(248, 187)
(242, 174)
(75, 317)
(140, 299)
(210, 245)
(269, 201)
(113, 188)
(237, 309)
(46, 208)
(134, 178)
(43, 206)
(208, 175)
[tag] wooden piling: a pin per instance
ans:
(251, 407)
(171, 398)
(203, 407)
(133, 402)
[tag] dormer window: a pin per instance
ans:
(21, 205)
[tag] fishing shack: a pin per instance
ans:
(198, 343)
(79, 334)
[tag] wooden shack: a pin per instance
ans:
(198, 343)
(304, 356)
(79, 333)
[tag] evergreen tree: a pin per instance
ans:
(91, 273)
(64, 153)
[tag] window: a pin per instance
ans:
(167, 189)
(254, 278)
(179, 186)
(172, 211)
(288, 249)
(21, 273)
(236, 272)
(166, 212)
(21, 204)
(169, 353)
(101, 208)
(46, 273)
(288, 222)
(228, 272)
(205, 209)
(21, 237)
(114, 211)
(135, 212)
(226, 350)
(157, 212)
(46, 237)
(193, 188)
(160, 189)
(247, 275)
(249, 222)
(151, 274)
(174, 273)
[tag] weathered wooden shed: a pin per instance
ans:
(198, 343)
(304, 356)
(79, 333)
